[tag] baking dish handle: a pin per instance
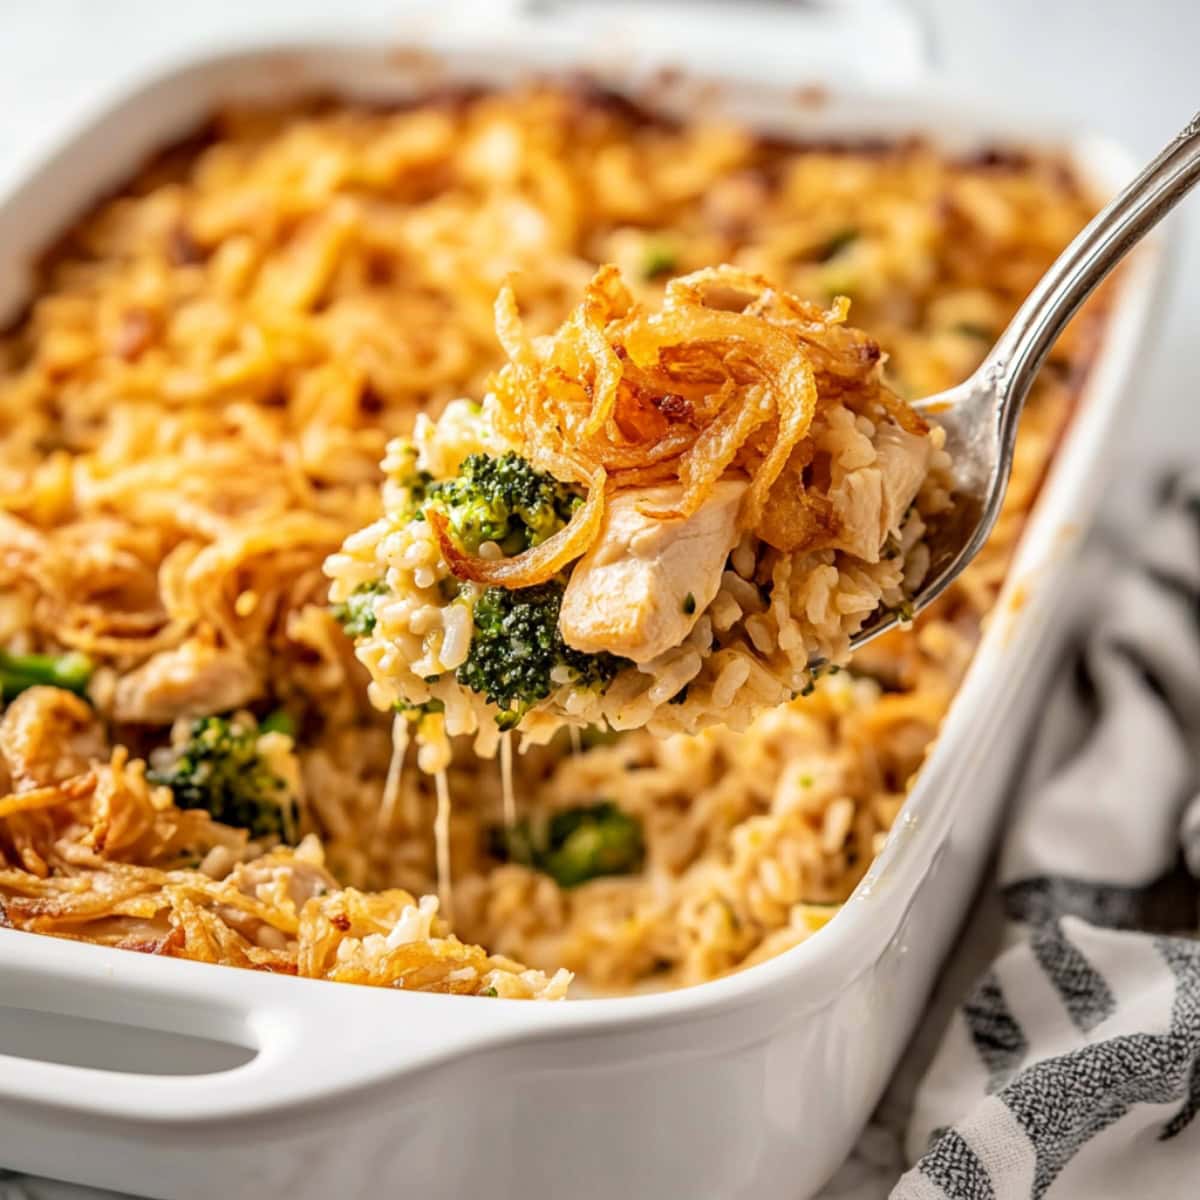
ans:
(75, 1017)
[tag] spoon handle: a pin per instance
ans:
(1078, 271)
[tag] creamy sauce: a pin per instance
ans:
(441, 837)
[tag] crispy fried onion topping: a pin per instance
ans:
(728, 377)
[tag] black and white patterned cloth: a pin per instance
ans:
(1072, 1068)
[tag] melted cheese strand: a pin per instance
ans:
(441, 837)
(395, 775)
(506, 781)
(576, 739)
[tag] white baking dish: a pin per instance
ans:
(751, 1086)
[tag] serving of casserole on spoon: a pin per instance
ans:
(656, 518)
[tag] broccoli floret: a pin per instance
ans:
(576, 844)
(221, 769)
(71, 671)
(517, 645)
(356, 614)
(504, 500)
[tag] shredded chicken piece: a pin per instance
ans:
(189, 681)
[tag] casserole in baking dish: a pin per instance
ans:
(824, 1020)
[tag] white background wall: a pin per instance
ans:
(1128, 69)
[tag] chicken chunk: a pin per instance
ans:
(644, 583)
(904, 460)
(870, 502)
(193, 680)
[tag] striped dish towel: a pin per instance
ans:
(1072, 1069)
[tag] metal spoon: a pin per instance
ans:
(980, 415)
